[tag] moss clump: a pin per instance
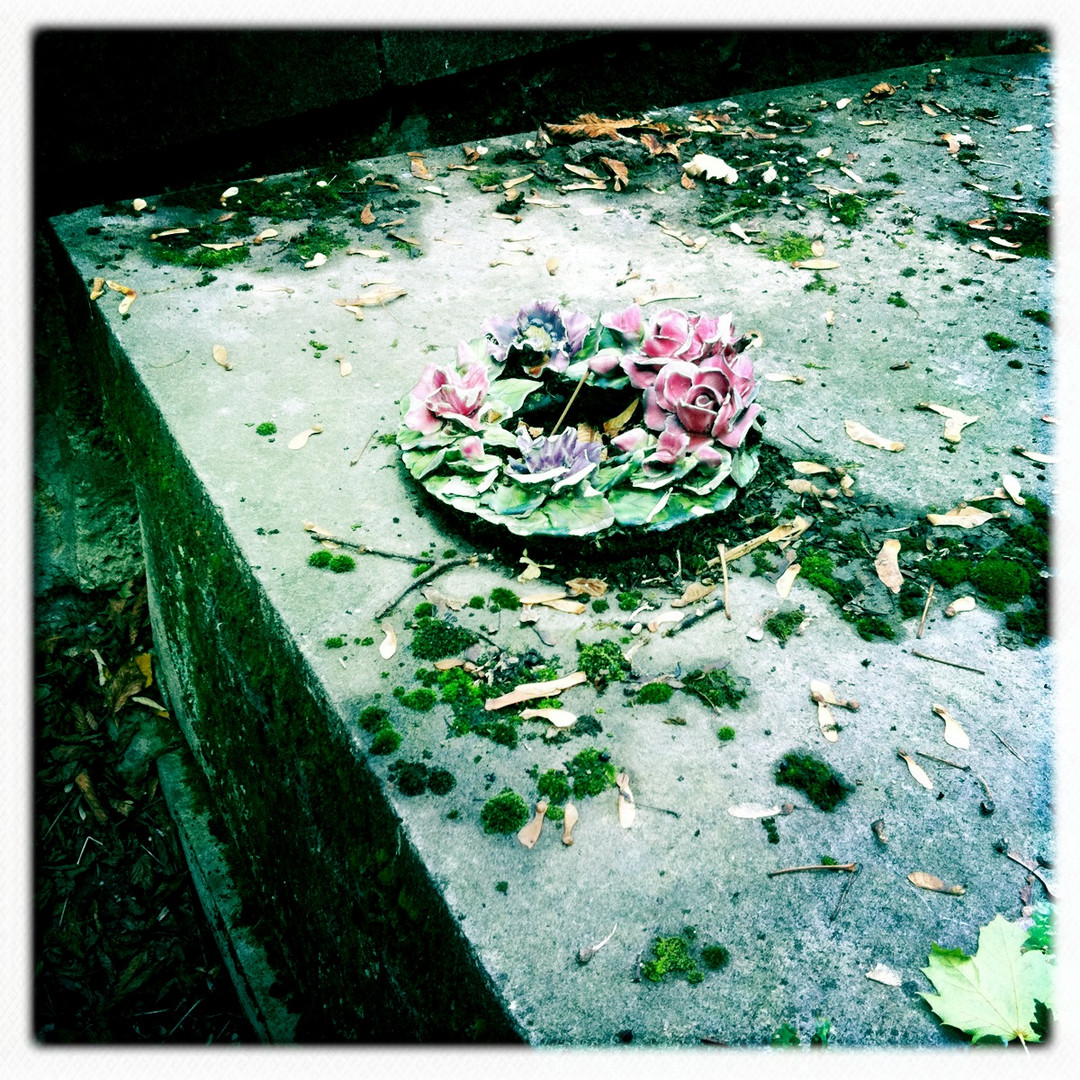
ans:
(424, 611)
(1001, 579)
(317, 239)
(334, 642)
(503, 599)
(897, 300)
(409, 776)
(373, 718)
(1015, 364)
(819, 570)
(342, 564)
(603, 662)
(554, 785)
(656, 693)
(504, 813)
(600, 606)
(477, 603)
(810, 775)
(671, 954)
(791, 247)
(769, 825)
(420, 700)
(441, 781)
(715, 957)
(911, 600)
(421, 568)
(386, 741)
(998, 342)
(869, 627)
(715, 688)
(434, 639)
(590, 773)
(267, 427)
(1037, 315)
(783, 624)
(950, 571)
(200, 257)
(320, 558)
(1032, 625)
(629, 599)
(726, 734)
(502, 886)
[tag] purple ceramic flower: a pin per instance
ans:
(447, 393)
(541, 336)
(693, 406)
(562, 459)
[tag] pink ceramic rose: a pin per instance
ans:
(676, 335)
(447, 393)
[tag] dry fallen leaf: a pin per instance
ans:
(627, 809)
(955, 421)
(916, 771)
(528, 691)
(417, 166)
(961, 603)
(934, 884)
(168, 232)
(570, 819)
(613, 426)
(815, 264)
(316, 260)
(694, 592)
(591, 126)
(98, 288)
(266, 234)
(1011, 484)
(967, 517)
(228, 193)
(712, 168)
(785, 531)
(883, 974)
(128, 293)
(580, 586)
(887, 567)
(803, 487)
(221, 356)
(663, 618)
(344, 367)
(954, 734)
(780, 377)
(755, 810)
(529, 833)
(787, 579)
(389, 643)
(1034, 455)
(810, 468)
(299, 441)
(996, 256)
(826, 723)
(560, 718)
(861, 434)
(552, 266)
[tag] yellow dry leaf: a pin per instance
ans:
(316, 260)
(1034, 455)
(508, 184)
(344, 367)
(803, 487)
(560, 718)
(954, 734)
(266, 234)
(810, 468)
(663, 618)
(934, 884)
(776, 376)
(887, 566)
(613, 426)
(967, 517)
(574, 607)
(592, 126)
(552, 265)
(224, 247)
(370, 253)
(859, 433)
(299, 441)
(1003, 243)
(928, 110)
(144, 663)
(543, 598)
(580, 170)
(129, 295)
(787, 579)
(694, 592)
(580, 586)
(529, 833)
(817, 248)
(389, 643)
(627, 809)
(528, 691)
(955, 421)
(168, 232)
(619, 170)
(916, 770)
(786, 530)
(221, 356)
(377, 299)
(996, 256)
(826, 723)
(417, 166)
(961, 603)
(97, 288)
(1011, 484)
(228, 193)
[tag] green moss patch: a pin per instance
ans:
(784, 623)
(716, 687)
(504, 813)
(671, 955)
(656, 693)
(603, 662)
(590, 773)
(825, 788)
(999, 342)
(434, 639)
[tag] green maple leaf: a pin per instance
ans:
(993, 993)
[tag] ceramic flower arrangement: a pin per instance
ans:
(556, 424)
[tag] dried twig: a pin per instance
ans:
(723, 570)
(844, 892)
(1031, 868)
(1006, 745)
(850, 867)
(926, 608)
(695, 617)
(951, 663)
(941, 760)
(440, 567)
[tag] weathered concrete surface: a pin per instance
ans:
(350, 881)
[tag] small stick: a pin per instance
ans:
(962, 768)
(1006, 745)
(723, 570)
(422, 579)
(566, 409)
(926, 608)
(715, 605)
(951, 663)
(847, 885)
(807, 433)
(365, 549)
(1031, 868)
(850, 867)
